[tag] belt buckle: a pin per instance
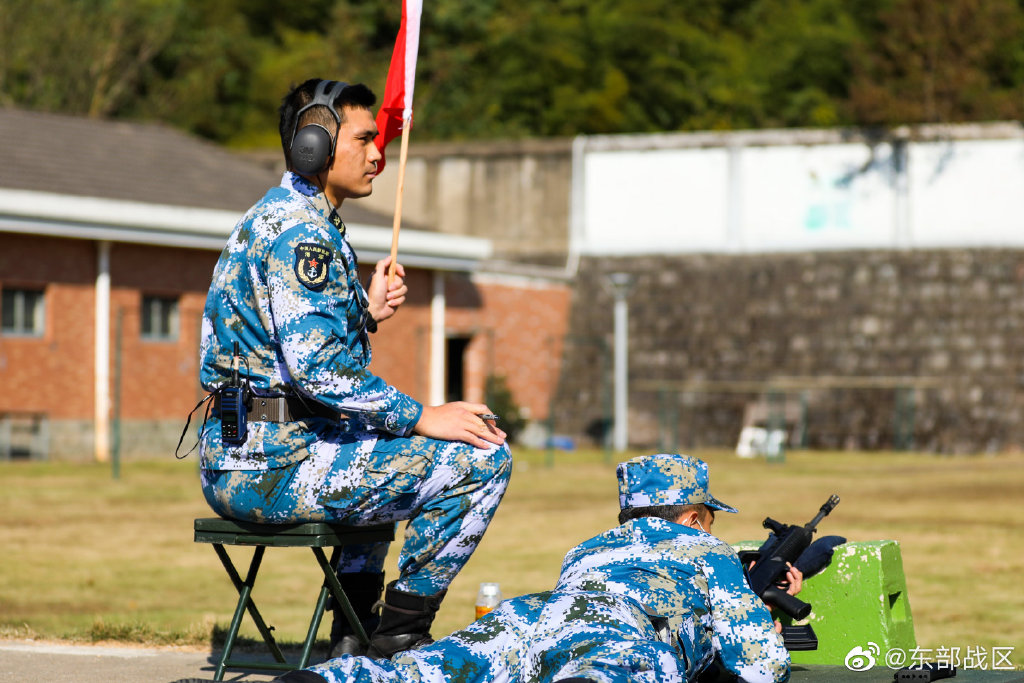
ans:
(264, 407)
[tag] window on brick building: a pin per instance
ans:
(23, 436)
(159, 318)
(22, 312)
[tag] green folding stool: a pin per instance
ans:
(313, 535)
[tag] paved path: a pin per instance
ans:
(34, 662)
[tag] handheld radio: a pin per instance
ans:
(233, 407)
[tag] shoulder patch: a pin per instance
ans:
(311, 265)
(335, 220)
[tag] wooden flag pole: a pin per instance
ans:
(406, 125)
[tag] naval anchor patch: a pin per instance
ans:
(311, 262)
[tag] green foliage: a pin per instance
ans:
(939, 62)
(795, 58)
(134, 632)
(89, 57)
(498, 398)
(517, 68)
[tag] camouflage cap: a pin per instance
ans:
(665, 479)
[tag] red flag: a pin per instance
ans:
(396, 108)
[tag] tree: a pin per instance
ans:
(790, 63)
(957, 60)
(85, 57)
(537, 68)
(524, 68)
(498, 398)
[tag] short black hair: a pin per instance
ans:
(355, 95)
(667, 512)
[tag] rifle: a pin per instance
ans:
(785, 544)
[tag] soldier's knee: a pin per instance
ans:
(487, 466)
(502, 460)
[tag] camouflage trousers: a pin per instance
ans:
(541, 637)
(447, 490)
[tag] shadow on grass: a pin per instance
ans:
(290, 649)
(209, 636)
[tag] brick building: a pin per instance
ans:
(862, 292)
(109, 232)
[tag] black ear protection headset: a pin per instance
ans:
(312, 146)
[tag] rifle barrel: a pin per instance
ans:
(828, 507)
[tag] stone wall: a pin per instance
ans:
(514, 193)
(854, 349)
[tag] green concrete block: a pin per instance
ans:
(860, 598)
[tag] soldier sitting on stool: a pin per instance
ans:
(320, 437)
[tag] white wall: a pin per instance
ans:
(635, 200)
(967, 193)
(802, 190)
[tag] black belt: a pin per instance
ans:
(283, 409)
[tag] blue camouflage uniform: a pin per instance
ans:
(650, 600)
(533, 638)
(286, 289)
(686, 575)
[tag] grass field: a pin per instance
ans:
(87, 557)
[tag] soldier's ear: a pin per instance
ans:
(688, 518)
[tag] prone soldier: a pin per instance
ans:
(536, 638)
(663, 555)
(683, 609)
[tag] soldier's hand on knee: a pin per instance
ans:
(460, 421)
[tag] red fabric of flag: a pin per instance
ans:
(397, 103)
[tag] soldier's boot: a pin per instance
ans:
(300, 676)
(405, 620)
(363, 590)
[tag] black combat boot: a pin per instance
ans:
(300, 676)
(405, 622)
(363, 590)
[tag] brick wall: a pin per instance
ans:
(52, 373)
(159, 379)
(517, 332)
(400, 345)
(513, 325)
(872, 349)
